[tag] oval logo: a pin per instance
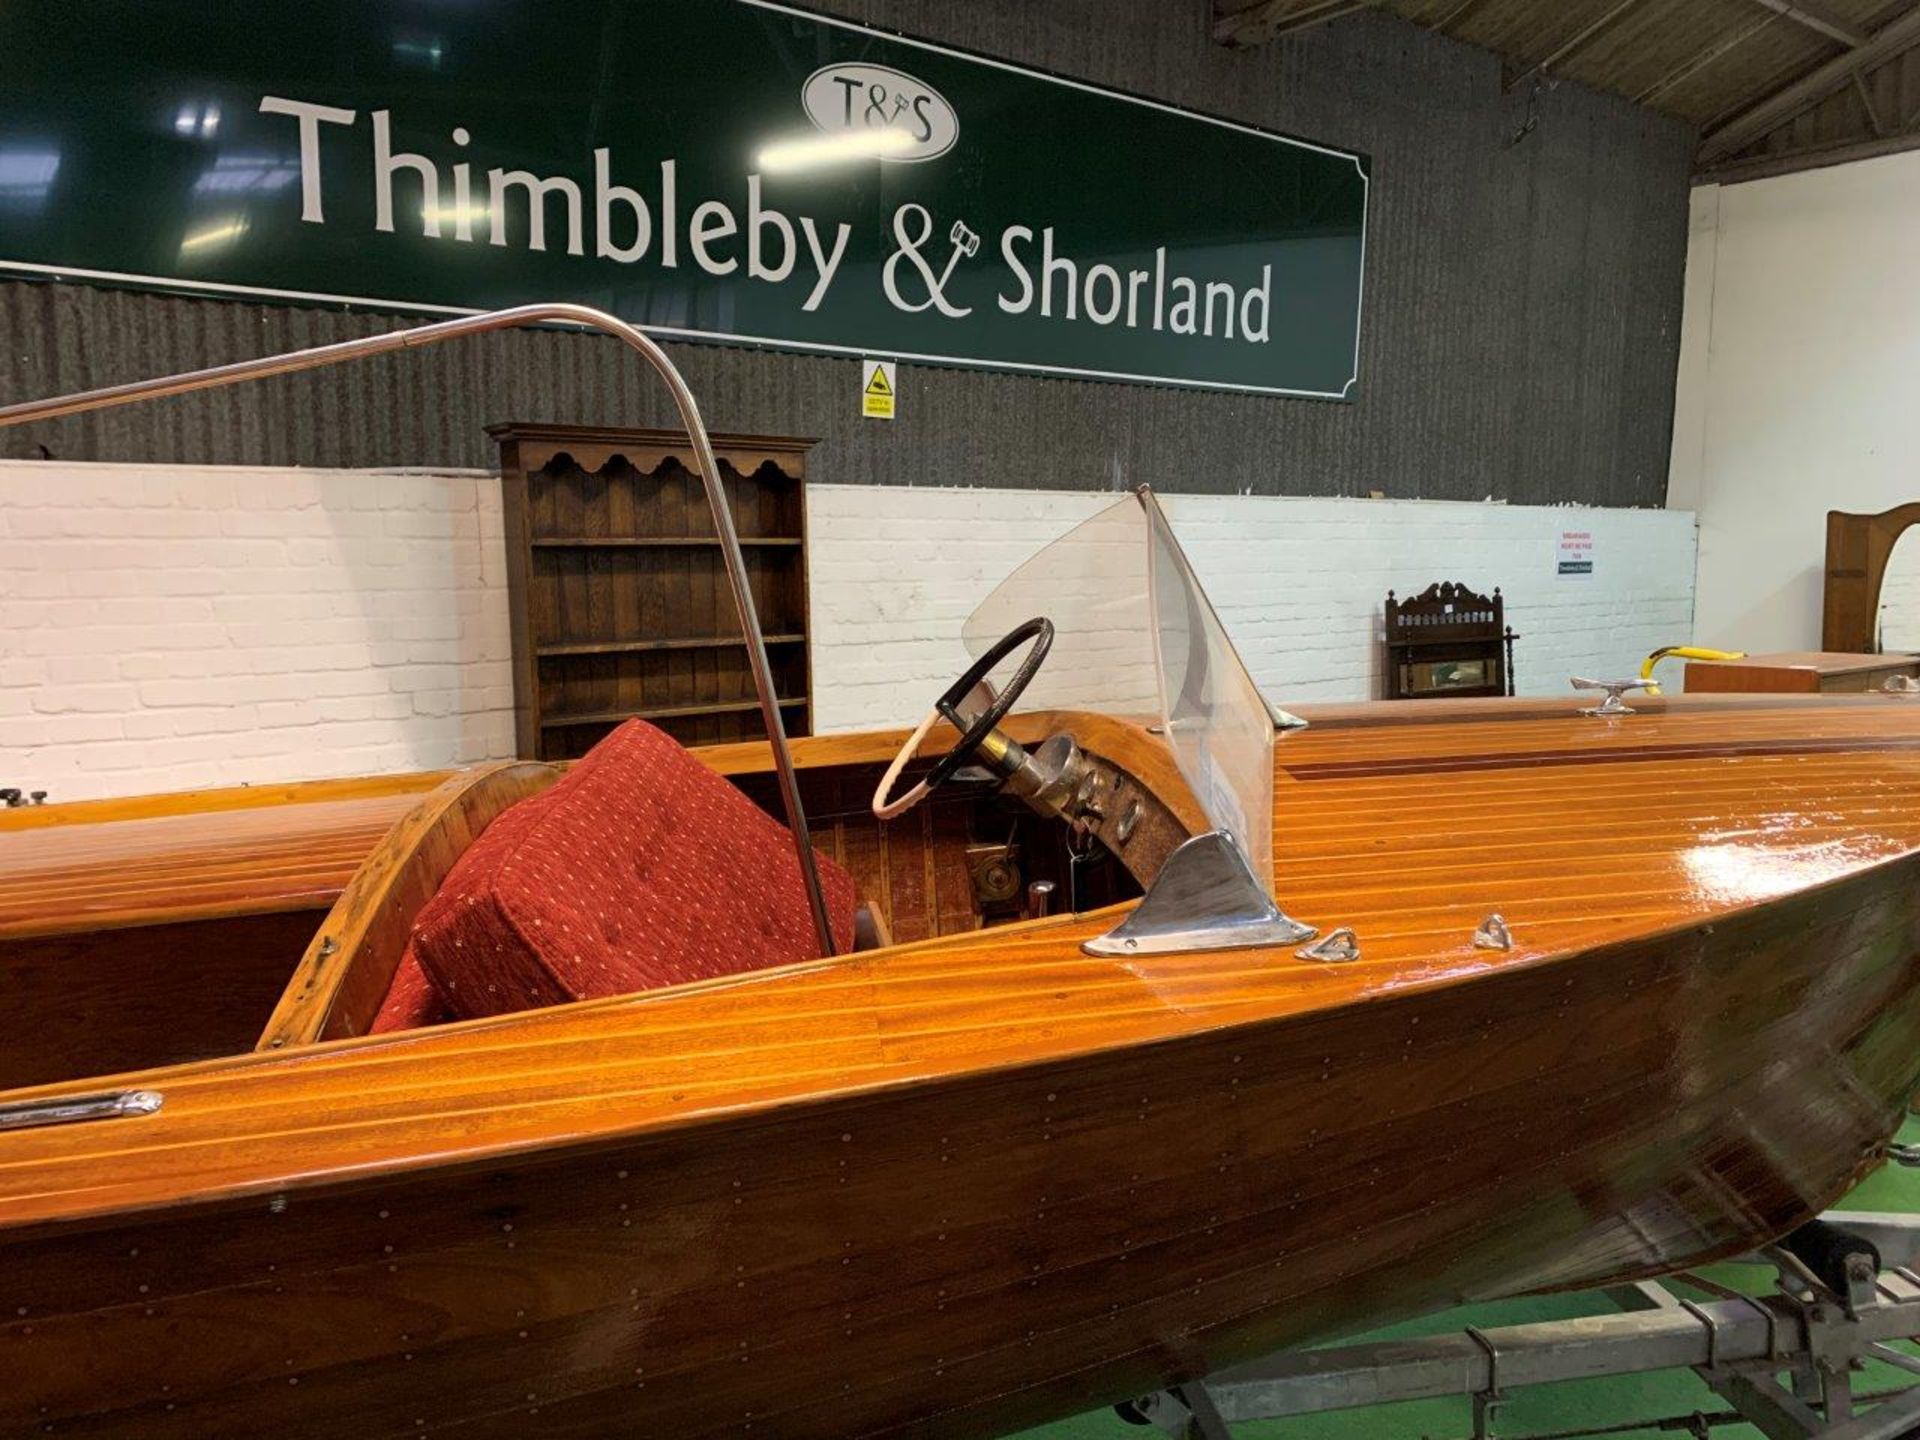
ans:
(857, 98)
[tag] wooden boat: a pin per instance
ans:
(974, 1181)
(986, 1174)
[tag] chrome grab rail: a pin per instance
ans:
(67, 1109)
(557, 313)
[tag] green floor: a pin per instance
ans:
(1549, 1408)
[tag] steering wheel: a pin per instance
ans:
(972, 736)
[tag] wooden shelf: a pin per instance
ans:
(627, 647)
(664, 712)
(526, 448)
(616, 601)
(656, 542)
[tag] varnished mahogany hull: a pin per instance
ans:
(964, 1256)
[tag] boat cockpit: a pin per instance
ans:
(1105, 744)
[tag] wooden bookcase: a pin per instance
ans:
(618, 593)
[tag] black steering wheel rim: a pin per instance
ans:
(1040, 631)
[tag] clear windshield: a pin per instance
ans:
(1135, 635)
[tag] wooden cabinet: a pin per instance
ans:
(1803, 671)
(1448, 642)
(619, 595)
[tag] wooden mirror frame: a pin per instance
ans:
(1858, 548)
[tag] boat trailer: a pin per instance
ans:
(1847, 1288)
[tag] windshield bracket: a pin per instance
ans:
(1204, 898)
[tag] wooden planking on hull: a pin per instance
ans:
(964, 1185)
(973, 1250)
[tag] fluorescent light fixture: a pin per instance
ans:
(419, 51)
(233, 174)
(27, 173)
(219, 233)
(201, 120)
(814, 151)
(456, 219)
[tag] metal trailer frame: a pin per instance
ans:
(1816, 1332)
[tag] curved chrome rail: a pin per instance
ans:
(558, 313)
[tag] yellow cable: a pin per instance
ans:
(1685, 652)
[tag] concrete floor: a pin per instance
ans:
(1548, 1409)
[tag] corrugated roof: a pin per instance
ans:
(1762, 80)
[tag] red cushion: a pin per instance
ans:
(639, 868)
(411, 1000)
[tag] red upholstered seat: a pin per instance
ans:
(639, 868)
(411, 1000)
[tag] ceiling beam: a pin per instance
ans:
(1446, 22)
(1818, 20)
(1874, 123)
(1267, 20)
(1688, 69)
(1809, 90)
(1565, 51)
(1812, 157)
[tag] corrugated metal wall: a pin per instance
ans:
(1521, 331)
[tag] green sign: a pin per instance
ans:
(728, 169)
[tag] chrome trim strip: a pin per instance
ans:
(71, 1109)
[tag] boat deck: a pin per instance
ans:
(100, 864)
(1580, 830)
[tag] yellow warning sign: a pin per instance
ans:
(878, 389)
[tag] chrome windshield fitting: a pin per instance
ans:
(1204, 898)
(1613, 704)
(1493, 934)
(71, 1109)
(1039, 900)
(1337, 947)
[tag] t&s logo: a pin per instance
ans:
(912, 117)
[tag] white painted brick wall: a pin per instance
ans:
(167, 627)
(171, 627)
(1299, 583)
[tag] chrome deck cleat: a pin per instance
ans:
(1336, 947)
(1493, 934)
(1613, 704)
